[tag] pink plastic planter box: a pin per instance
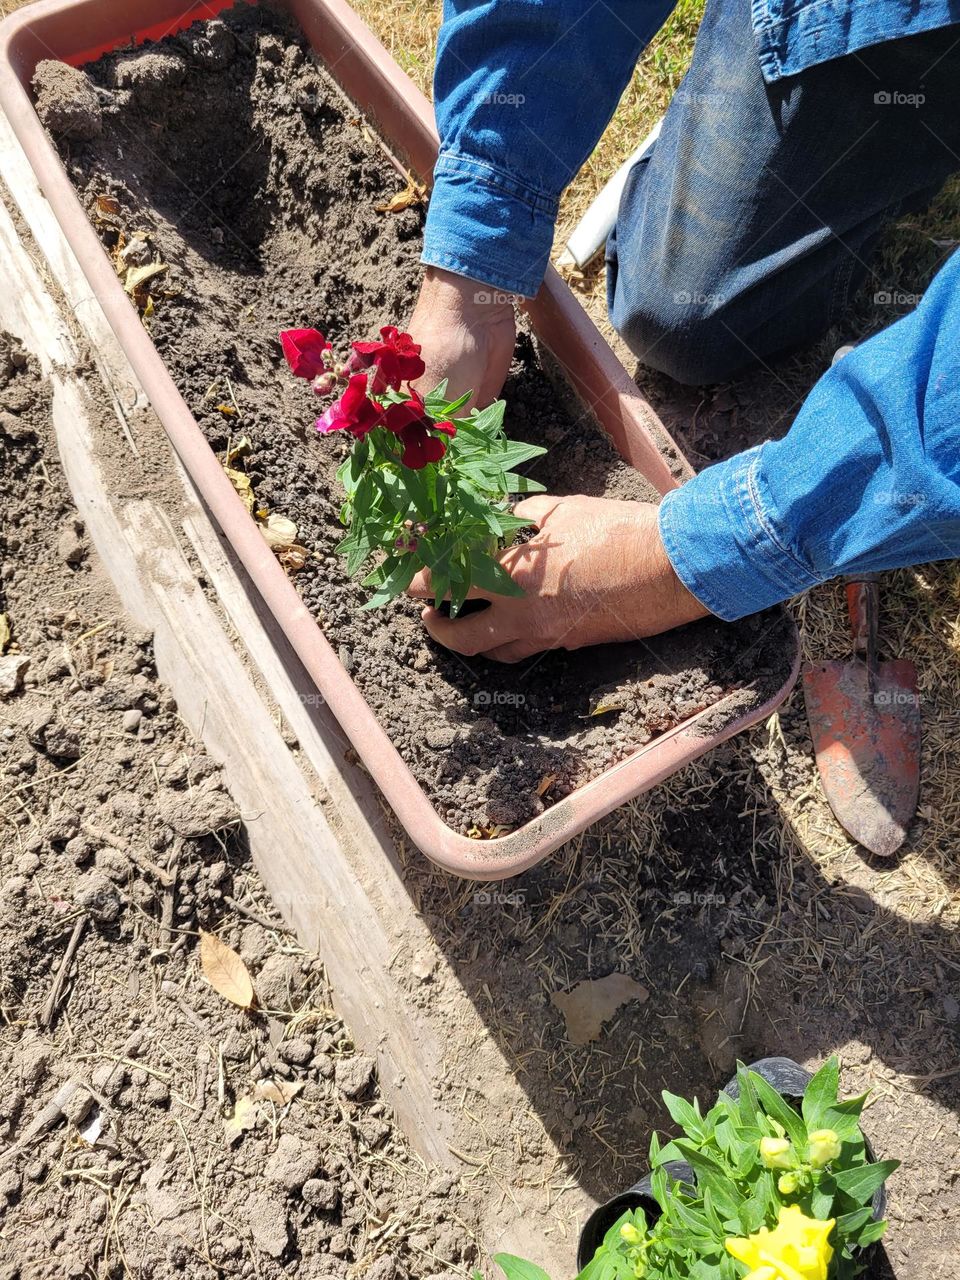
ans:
(78, 31)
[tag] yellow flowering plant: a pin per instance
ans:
(771, 1191)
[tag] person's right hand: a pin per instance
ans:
(466, 332)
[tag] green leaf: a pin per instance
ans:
(489, 420)
(394, 584)
(686, 1116)
(417, 487)
(871, 1232)
(515, 1268)
(514, 452)
(780, 1110)
(490, 576)
(439, 408)
(438, 393)
(860, 1184)
(517, 483)
(460, 583)
(849, 1225)
(821, 1093)
(357, 547)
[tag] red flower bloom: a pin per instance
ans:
(304, 350)
(408, 420)
(396, 356)
(353, 412)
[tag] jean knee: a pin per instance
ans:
(682, 333)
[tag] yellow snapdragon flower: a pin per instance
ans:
(824, 1146)
(776, 1153)
(796, 1249)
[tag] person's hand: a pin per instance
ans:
(466, 332)
(596, 571)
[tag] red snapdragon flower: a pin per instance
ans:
(304, 350)
(353, 412)
(396, 357)
(409, 422)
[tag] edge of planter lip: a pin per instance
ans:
(586, 358)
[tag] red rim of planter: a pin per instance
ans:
(78, 31)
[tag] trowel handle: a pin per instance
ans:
(863, 605)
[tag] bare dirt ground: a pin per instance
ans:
(147, 1126)
(730, 893)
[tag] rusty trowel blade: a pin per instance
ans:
(867, 744)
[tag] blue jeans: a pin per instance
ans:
(746, 230)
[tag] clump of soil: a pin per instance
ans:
(147, 1127)
(258, 187)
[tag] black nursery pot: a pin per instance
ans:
(786, 1076)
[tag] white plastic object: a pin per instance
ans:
(590, 234)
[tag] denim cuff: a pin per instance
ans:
(485, 224)
(719, 533)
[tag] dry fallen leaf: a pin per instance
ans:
(601, 708)
(238, 450)
(246, 1115)
(5, 632)
(137, 277)
(279, 531)
(226, 971)
(228, 409)
(546, 783)
(254, 1108)
(108, 204)
(588, 1005)
(241, 482)
(279, 1091)
(293, 558)
(414, 193)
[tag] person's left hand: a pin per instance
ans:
(596, 571)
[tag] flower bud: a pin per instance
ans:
(823, 1147)
(776, 1153)
(324, 384)
(630, 1233)
(787, 1184)
(421, 528)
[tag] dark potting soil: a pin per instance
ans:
(228, 154)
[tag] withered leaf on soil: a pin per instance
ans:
(226, 971)
(108, 204)
(588, 1005)
(293, 558)
(137, 277)
(279, 1091)
(546, 783)
(279, 531)
(241, 482)
(253, 1108)
(414, 193)
(238, 450)
(5, 632)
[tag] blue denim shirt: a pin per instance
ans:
(868, 476)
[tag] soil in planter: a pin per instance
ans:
(229, 155)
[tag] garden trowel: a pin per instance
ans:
(864, 716)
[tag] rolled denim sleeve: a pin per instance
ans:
(522, 91)
(867, 478)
